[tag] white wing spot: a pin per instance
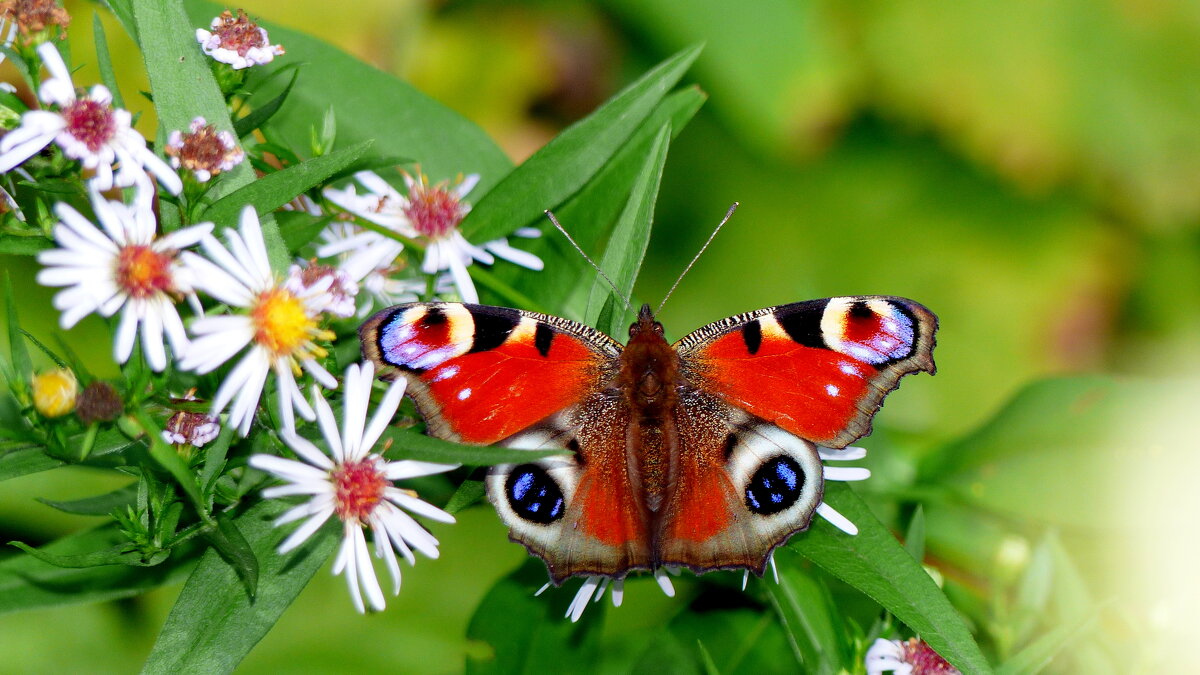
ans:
(831, 390)
(464, 394)
(849, 369)
(446, 373)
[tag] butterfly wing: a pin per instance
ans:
(491, 375)
(759, 392)
(818, 369)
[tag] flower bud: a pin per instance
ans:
(54, 392)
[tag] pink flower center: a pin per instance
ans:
(358, 489)
(90, 122)
(239, 34)
(433, 212)
(925, 661)
(142, 271)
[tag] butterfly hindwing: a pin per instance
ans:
(818, 369)
(480, 374)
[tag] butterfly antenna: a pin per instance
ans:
(728, 215)
(586, 257)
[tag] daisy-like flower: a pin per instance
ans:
(32, 18)
(125, 267)
(431, 213)
(191, 428)
(912, 657)
(279, 325)
(370, 260)
(203, 150)
(237, 41)
(356, 485)
(88, 129)
(341, 287)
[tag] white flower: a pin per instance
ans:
(913, 657)
(191, 428)
(279, 325)
(431, 213)
(370, 260)
(204, 150)
(594, 586)
(88, 129)
(126, 268)
(237, 41)
(340, 286)
(357, 487)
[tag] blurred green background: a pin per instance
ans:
(1029, 170)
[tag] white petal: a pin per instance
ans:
(126, 332)
(846, 473)
(289, 469)
(417, 506)
(836, 519)
(305, 531)
(306, 450)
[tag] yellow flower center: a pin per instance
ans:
(281, 322)
(142, 272)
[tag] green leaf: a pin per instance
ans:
(468, 493)
(18, 354)
(214, 624)
(227, 539)
(24, 461)
(259, 116)
(408, 444)
(809, 616)
(627, 245)
(368, 104)
(214, 463)
(1038, 654)
(914, 538)
(15, 245)
(29, 583)
(876, 564)
(591, 214)
(100, 505)
(710, 668)
(104, 61)
(564, 165)
(276, 189)
(528, 634)
(169, 459)
(299, 229)
(115, 555)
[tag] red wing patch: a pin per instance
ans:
(481, 374)
(818, 369)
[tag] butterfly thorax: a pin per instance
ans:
(648, 378)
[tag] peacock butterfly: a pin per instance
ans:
(701, 454)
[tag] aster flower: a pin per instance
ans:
(126, 267)
(430, 213)
(279, 325)
(203, 150)
(191, 428)
(370, 260)
(32, 18)
(341, 287)
(88, 129)
(912, 657)
(237, 41)
(356, 486)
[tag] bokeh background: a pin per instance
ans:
(1030, 170)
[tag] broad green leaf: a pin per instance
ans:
(227, 539)
(22, 462)
(214, 463)
(184, 88)
(100, 505)
(115, 555)
(527, 634)
(276, 189)
(876, 564)
(214, 624)
(104, 61)
(245, 126)
(368, 104)
(29, 583)
(408, 444)
(627, 245)
(564, 165)
(809, 616)
(590, 215)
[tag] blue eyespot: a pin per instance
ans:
(775, 486)
(534, 495)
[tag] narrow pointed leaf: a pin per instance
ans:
(876, 564)
(100, 505)
(104, 61)
(564, 165)
(18, 354)
(244, 126)
(109, 556)
(627, 246)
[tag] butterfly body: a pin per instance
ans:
(702, 454)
